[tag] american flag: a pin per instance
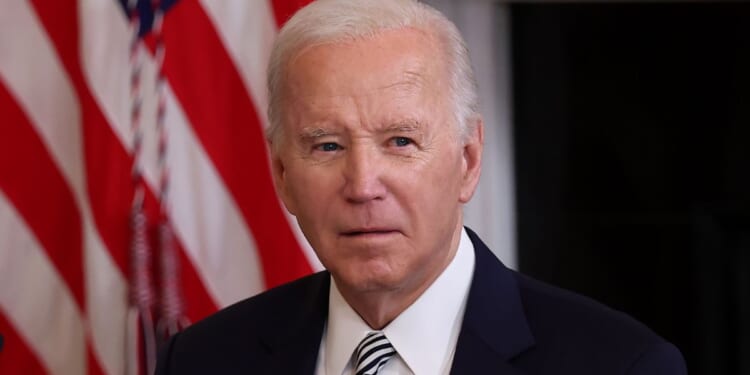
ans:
(110, 109)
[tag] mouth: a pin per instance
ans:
(367, 232)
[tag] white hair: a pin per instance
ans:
(330, 21)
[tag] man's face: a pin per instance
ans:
(371, 163)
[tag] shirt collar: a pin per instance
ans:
(344, 330)
(425, 349)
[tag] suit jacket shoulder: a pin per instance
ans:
(588, 335)
(523, 326)
(257, 335)
(512, 325)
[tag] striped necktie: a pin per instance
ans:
(372, 353)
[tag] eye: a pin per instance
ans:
(328, 147)
(401, 141)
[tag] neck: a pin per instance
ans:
(380, 307)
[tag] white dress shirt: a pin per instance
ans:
(424, 335)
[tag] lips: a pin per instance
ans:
(367, 232)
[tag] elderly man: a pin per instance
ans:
(376, 144)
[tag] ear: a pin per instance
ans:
(472, 159)
(280, 182)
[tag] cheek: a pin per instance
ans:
(438, 191)
(311, 191)
(428, 192)
(439, 177)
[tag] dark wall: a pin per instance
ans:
(632, 139)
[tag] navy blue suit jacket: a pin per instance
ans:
(512, 325)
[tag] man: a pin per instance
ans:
(376, 144)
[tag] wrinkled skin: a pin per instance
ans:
(371, 163)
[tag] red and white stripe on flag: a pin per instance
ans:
(66, 159)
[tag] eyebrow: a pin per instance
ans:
(309, 134)
(405, 126)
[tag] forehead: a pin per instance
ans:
(402, 61)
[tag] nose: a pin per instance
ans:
(363, 173)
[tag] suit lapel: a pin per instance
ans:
(494, 329)
(294, 344)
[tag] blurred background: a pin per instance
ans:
(631, 159)
(135, 196)
(630, 138)
(632, 135)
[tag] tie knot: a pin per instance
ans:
(372, 353)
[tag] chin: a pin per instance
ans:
(371, 279)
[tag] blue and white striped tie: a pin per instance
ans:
(372, 353)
